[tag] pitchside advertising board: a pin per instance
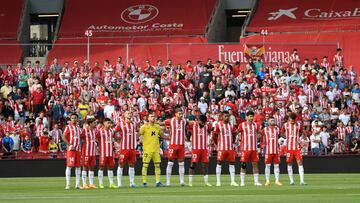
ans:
(136, 18)
(306, 15)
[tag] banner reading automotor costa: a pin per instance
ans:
(135, 17)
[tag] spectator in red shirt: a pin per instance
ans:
(38, 98)
(312, 78)
(44, 143)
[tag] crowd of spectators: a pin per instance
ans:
(36, 100)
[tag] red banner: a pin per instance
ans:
(306, 15)
(179, 53)
(136, 17)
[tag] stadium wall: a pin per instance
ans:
(56, 167)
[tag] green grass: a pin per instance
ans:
(321, 188)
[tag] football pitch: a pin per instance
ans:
(320, 188)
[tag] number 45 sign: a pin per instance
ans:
(88, 33)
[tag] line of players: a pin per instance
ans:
(224, 135)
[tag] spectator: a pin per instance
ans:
(202, 105)
(315, 139)
(5, 90)
(354, 146)
(14, 135)
(324, 135)
(356, 133)
(7, 145)
(205, 76)
(44, 143)
(339, 147)
(22, 81)
(38, 98)
(83, 108)
(26, 145)
(304, 144)
(53, 147)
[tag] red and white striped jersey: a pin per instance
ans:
(94, 106)
(341, 132)
(88, 136)
(89, 82)
(73, 133)
(116, 117)
(270, 137)
(179, 99)
(324, 103)
(177, 131)
(214, 109)
(278, 120)
(325, 64)
(248, 136)
(349, 129)
(49, 82)
(56, 134)
(338, 59)
(77, 82)
(295, 61)
(105, 142)
(323, 84)
(292, 133)
(241, 104)
(128, 135)
(225, 133)
(39, 129)
(199, 135)
(121, 102)
(311, 95)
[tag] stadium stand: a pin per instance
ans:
(277, 81)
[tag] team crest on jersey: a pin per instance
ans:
(139, 13)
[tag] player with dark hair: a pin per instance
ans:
(200, 153)
(71, 137)
(105, 137)
(292, 131)
(88, 139)
(178, 127)
(270, 136)
(248, 133)
(224, 136)
(128, 142)
(150, 133)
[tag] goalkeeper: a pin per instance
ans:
(151, 133)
